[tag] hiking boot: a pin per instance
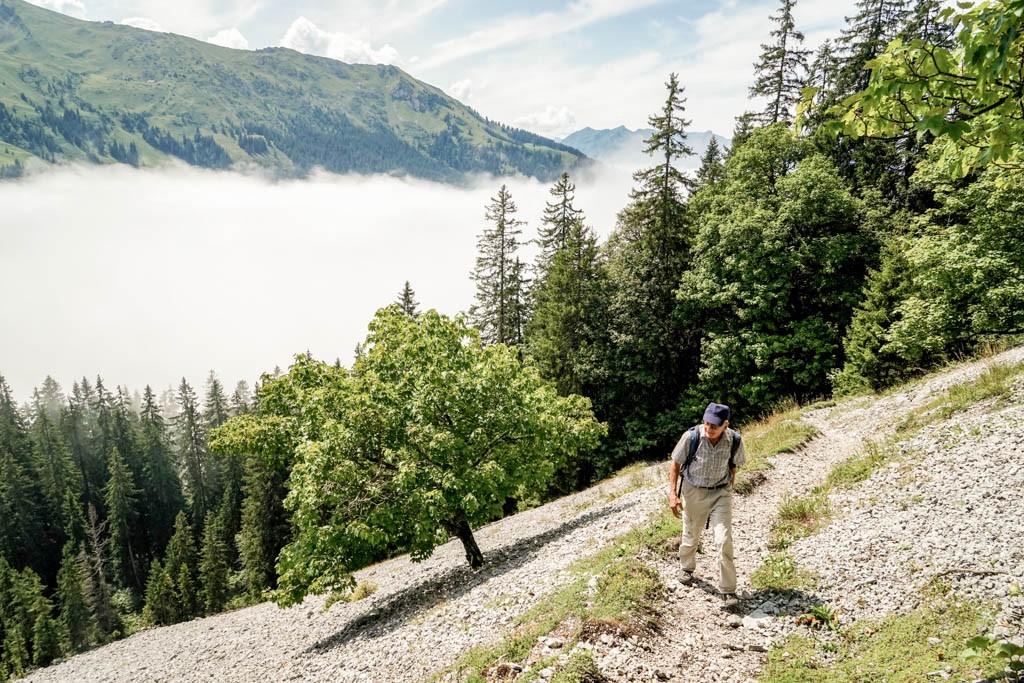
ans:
(686, 577)
(730, 600)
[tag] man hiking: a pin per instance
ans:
(708, 470)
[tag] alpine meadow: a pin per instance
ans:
(861, 227)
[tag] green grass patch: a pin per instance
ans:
(779, 572)
(582, 668)
(896, 650)
(858, 468)
(626, 594)
(799, 516)
(995, 384)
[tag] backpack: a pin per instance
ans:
(694, 442)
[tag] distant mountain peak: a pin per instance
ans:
(623, 147)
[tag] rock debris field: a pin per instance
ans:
(947, 505)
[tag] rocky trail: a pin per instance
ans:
(952, 507)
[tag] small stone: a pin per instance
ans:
(734, 621)
(757, 647)
(546, 673)
(554, 643)
(935, 641)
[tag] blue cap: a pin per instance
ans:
(716, 414)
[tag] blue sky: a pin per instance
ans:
(550, 67)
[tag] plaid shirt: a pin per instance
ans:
(710, 466)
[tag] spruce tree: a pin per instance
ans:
(264, 525)
(200, 475)
(75, 615)
(781, 72)
(93, 560)
(121, 498)
(712, 165)
(161, 498)
(180, 563)
(652, 352)
(407, 301)
(499, 308)
(214, 564)
(560, 218)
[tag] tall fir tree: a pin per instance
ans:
(407, 301)
(499, 309)
(121, 498)
(781, 71)
(214, 564)
(652, 352)
(560, 218)
(93, 558)
(264, 525)
(161, 497)
(712, 165)
(228, 470)
(199, 473)
(77, 619)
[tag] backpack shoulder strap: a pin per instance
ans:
(736, 441)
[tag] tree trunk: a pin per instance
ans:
(459, 527)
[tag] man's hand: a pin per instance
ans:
(674, 504)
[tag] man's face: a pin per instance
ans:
(715, 431)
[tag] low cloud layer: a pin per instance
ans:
(143, 277)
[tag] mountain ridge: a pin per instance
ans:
(97, 92)
(621, 146)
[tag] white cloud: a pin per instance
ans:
(197, 270)
(513, 30)
(230, 37)
(462, 90)
(72, 8)
(305, 36)
(552, 121)
(143, 23)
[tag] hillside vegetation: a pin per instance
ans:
(72, 90)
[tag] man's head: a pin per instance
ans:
(716, 415)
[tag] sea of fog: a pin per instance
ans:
(145, 277)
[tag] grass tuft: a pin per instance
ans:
(900, 649)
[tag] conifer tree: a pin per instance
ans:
(214, 564)
(407, 301)
(79, 427)
(60, 486)
(499, 308)
(121, 498)
(652, 353)
(228, 469)
(867, 33)
(200, 477)
(560, 218)
(781, 72)
(75, 615)
(179, 564)
(712, 165)
(161, 497)
(93, 561)
(264, 525)
(161, 606)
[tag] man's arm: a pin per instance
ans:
(673, 479)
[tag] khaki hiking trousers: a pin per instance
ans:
(698, 505)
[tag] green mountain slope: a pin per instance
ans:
(72, 90)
